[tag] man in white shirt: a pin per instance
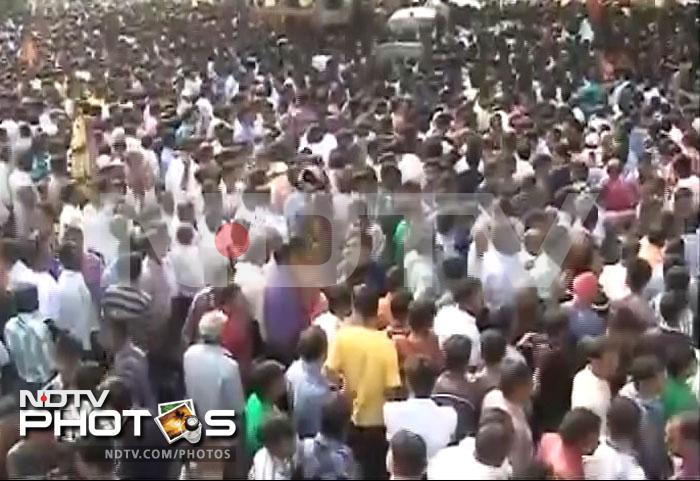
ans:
(23, 195)
(591, 388)
(339, 307)
(487, 460)
(76, 312)
(615, 457)
(212, 376)
(419, 414)
(460, 317)
(187, 266)
(502, 271)
(547, 266)
(514, 396)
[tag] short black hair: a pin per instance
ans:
(577, 425)
(421, 375)
(677, 278)
(670, 308)
(623, 418)
(339, 297)
(408, 453)
(644, 368)
(675, 247)
(638, 274)
(464, 289)
(421, 313)
(275, 428)
(514, 375)
(458, 351)
(313, 344)
(656, 235)
(454, 268)
(394, 278)
(598, 346)
(365, 301)
(493, 346)
(492, 442)
(400, 302)
(335, 416)
(264, 373)
(679, 359)
(535, 469)
(69, 256)
(555, 321)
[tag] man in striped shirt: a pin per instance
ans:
(29, 340)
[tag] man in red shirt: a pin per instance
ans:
(577, 437)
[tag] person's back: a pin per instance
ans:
(76, 312)
(420, 414)
(364, 356)
(28, 338)
(615, 457)
(493, 350)
(577, 436)
(366, 361)
(678, 397)
(583, 320)
(454, 380)
(212, 377)
(307, 388)
(327, 456)
(420, 340)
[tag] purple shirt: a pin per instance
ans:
(284, 312)
(92, 274)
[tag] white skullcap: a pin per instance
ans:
(211, 325)
(579, 115)
(592, 140)
(696, 124)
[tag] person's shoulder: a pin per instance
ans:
(493, 399)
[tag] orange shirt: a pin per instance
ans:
(412, 345)
(384, 316)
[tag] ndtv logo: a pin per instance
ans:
(48, 408)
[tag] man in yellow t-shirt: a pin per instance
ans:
(366, 362)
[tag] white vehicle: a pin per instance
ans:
(320, 14)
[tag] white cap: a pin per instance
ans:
(592, 140)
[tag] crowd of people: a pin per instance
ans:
(478, 264)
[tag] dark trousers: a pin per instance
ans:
(369, 446)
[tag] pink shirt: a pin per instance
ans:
(619, 194)
(566, 462)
